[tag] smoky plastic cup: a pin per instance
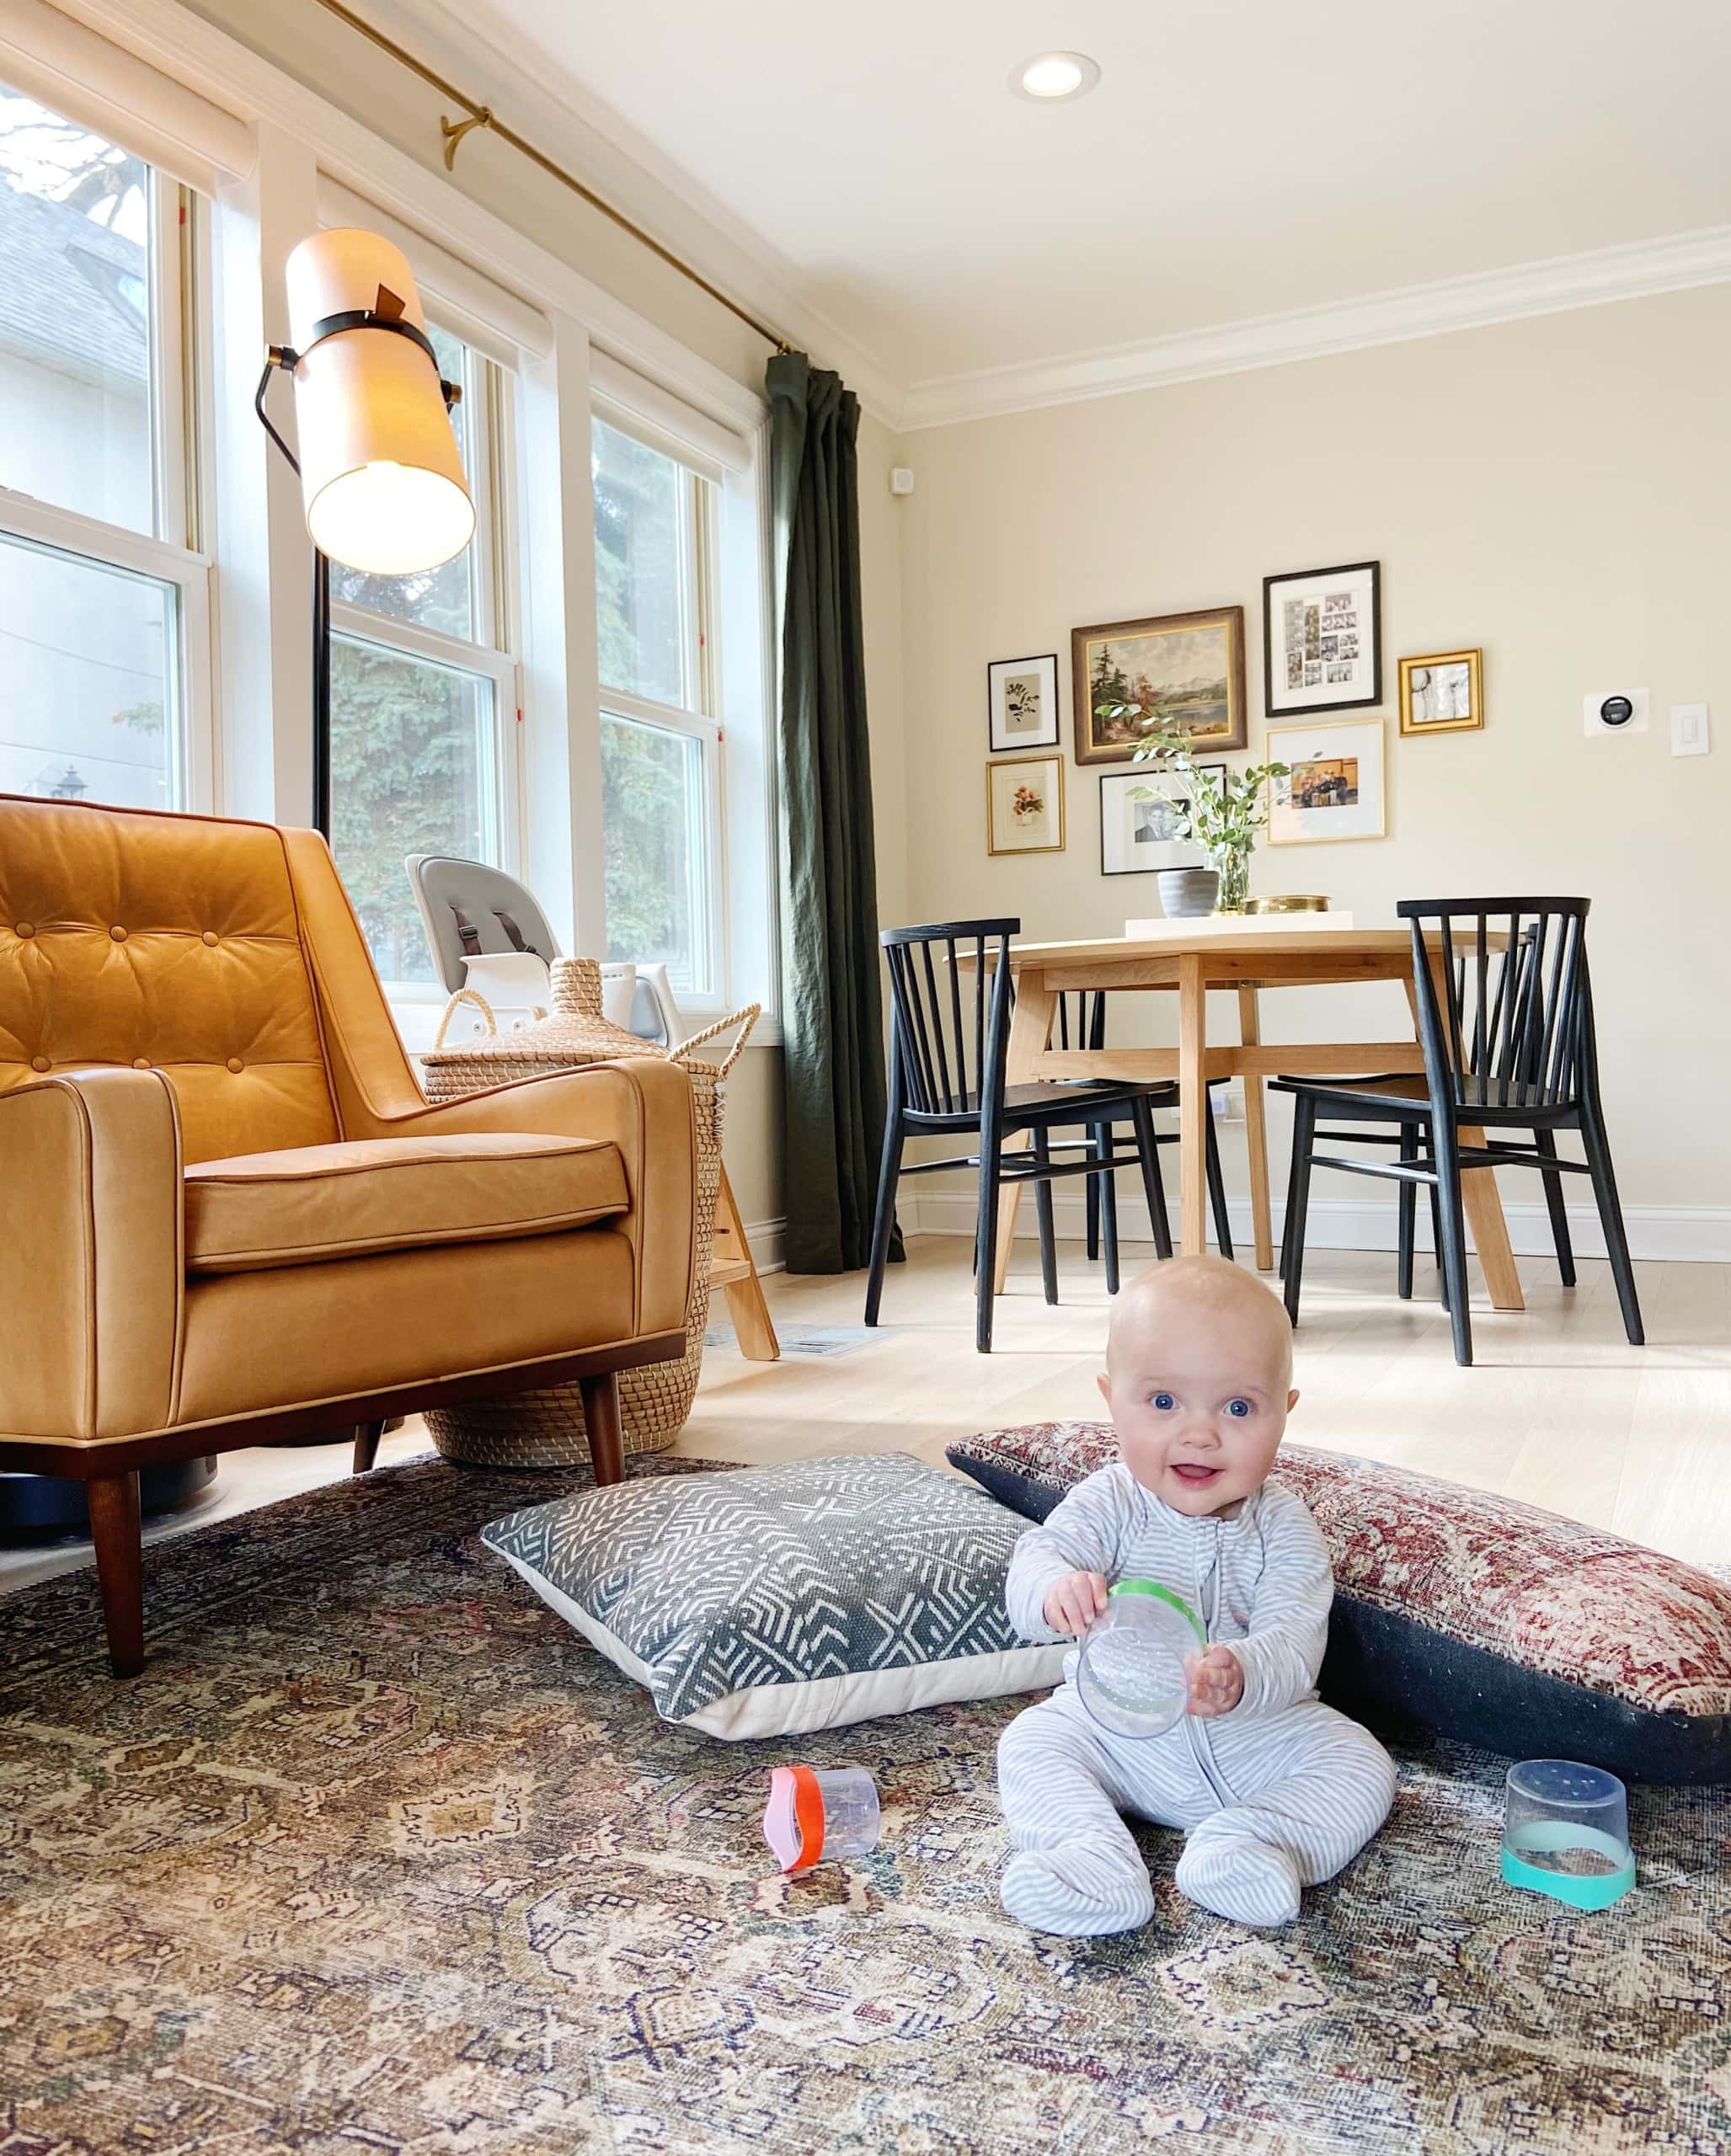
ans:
(1566, 1833)
(816, 1815)
(1131, 1675)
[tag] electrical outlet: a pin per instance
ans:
(1227, 1101)
(1691, 730)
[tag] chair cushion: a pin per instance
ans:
(313, 1202)
(765, 1600)
(1473, 1614)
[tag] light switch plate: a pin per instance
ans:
(1691, 732)
(1613, 711)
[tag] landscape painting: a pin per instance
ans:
(1184, 669)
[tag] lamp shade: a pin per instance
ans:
(380, 473)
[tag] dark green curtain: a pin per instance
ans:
(832, 1018)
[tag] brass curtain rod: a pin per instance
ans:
(479, 116)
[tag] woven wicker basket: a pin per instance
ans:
(546, 1429)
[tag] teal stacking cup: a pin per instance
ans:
(1566, 1833)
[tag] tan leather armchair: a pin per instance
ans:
(231, 1215)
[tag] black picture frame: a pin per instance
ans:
(1047, 662)
(1273, 710)
(1111, 779)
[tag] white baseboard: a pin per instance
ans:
(1690, 1234)
(769, 1244)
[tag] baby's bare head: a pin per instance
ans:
(1203, 1295)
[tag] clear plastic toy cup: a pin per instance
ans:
(818, 1814)
(1566, 1833)
(1130, 1676)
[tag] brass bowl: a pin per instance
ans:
(1289, 902)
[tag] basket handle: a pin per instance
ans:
(464, 995)
(745, 1019)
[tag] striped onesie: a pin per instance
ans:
(1280, 1793)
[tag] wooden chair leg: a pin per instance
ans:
(1546, 1141)
(1047, 1231)
(884, 1221)
(1298, 1199)
(1153, 1187)
(1217, 1192)
(367, 1444)
(1409, 1216)
(1091, 1184)
(1611, 1219)
(1109, 1212)
(120, 1567)
(606, 1431)
(1445, 1146)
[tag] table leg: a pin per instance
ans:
(1483, 1206)
(1031, 1029)
(1256, 1135)
(1193, 1109)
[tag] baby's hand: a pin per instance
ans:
(1216, 1681)
(1073, 1602)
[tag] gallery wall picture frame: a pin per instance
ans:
(1135, 836)
(1322, 639)
(1189, 667)
(1442, 692)
(1335, 789)
(1022, 703)
(1024, 804)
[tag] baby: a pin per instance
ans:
(1275, 1791)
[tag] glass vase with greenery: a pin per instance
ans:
(1222, 811)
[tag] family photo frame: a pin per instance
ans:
(1141, 814)
(1323, 639)
(1334, 789)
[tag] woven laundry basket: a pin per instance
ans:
(546, 1429)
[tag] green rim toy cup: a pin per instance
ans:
(1130, 1676)
(1566, 1833)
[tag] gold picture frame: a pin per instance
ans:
(1423, 690)
(1189, 667)
(1011, 827)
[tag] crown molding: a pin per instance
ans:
(1635, 270)
(572, 125)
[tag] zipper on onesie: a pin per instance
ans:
(1202, 1750)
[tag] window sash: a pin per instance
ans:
(707, 990)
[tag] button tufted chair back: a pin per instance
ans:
(171, 943)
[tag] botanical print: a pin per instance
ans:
(1022, 702)
(1321, 634)
(1185, 670)
(1024, 805)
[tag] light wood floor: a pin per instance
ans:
(1558, 1410)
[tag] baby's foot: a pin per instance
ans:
(1239, 1878)
(1080, 1889)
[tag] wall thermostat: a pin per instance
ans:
(901, 480)
(1615, 711)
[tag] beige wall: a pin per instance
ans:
(1555, 491)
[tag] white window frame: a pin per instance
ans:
(493, 654)
(164, 554)
(701, 716)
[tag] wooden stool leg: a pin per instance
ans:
(736, 1270)
(120, 1567)
(367, 1444)
(607, 1432)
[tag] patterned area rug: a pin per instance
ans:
(377, 1858)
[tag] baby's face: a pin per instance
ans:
(1199, 1401)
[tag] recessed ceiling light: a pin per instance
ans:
(1052, 75)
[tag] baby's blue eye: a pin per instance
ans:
(1240, 1408)
(1164, 1400)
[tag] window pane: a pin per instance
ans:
(411, 756)
(442, 598)
(639, 574)
(75, 407)
(88, 680)
(657, 876)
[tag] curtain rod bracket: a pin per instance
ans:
(453, 130)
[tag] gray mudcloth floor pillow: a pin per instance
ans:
(804, 1596)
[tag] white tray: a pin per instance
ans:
(1233, 924)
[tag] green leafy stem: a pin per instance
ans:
(1222, 811)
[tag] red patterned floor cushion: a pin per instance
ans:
(1473, 1614)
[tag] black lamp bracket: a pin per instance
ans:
(386, 312)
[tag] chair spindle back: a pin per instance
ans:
(1504, 1003)
(951, 1034)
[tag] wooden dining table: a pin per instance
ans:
(1189, 958)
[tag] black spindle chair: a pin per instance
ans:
(1505, 1021)
(949, 1051)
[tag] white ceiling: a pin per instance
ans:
(1240, 159)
